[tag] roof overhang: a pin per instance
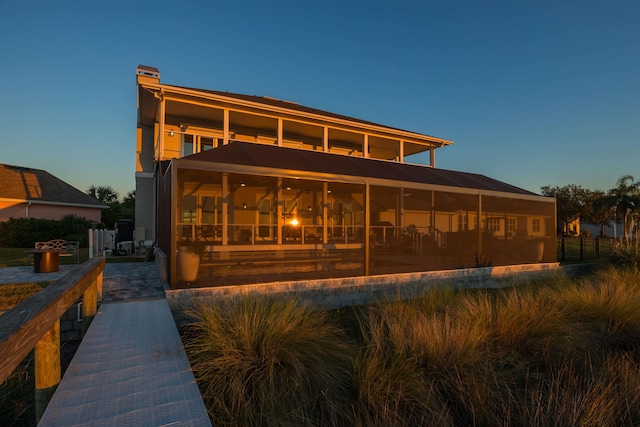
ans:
(398, 175)
(150, 93)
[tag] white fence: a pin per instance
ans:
(101, 242)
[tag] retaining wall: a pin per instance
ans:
(341, 292)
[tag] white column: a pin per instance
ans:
(91, 244)
(161, 127)
(325, 139)
(432, 157)
(365, 146)
(280, 132)
(401, 151)
(225, 127)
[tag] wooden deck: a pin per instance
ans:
(130, 370)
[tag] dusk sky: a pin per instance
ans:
(532, 93)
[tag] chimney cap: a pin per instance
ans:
(147, 71)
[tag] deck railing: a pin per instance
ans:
(34, 324)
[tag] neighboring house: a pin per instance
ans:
(302, 192)
(35, 193)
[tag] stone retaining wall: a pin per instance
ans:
(341, 292)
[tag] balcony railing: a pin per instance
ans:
(259, 234)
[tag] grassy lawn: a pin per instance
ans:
(16, 257)
(14, 293)
(559, 352)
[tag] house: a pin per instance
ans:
(35, 193)
(278, 191)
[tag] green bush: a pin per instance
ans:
(24, 232)
(625, 253)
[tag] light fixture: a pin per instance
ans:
(242, 184)
(244, 205)
(294, 222)
(170, 133)
(309, 208)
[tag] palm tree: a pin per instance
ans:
(105, 194)
(624, 200)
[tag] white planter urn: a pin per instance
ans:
(188, 264)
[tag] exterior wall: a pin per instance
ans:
(20, 210)
(145, 206)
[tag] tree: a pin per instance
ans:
(117, 210)
(571, 202)
(624, 200)
(129, 205)
(598, 213)
(104, 194)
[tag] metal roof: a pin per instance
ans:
(281, 158)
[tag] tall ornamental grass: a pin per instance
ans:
(564, 352)
(265, 361)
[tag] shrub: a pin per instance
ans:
(24, 232)
(625, 253)
(607, 307)
(268, 361)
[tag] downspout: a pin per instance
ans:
(27, 209)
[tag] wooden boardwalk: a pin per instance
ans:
(130, 370)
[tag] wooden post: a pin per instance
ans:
(47, 367)
(89, 306)
(99, 286)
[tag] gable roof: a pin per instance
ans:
(269, 156)
(36, 185)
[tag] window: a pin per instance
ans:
(511, 225)
(189, 209)
(494, 224)
(535, 225)
(187, 145)
(192, 144)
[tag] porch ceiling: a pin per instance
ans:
(287, 159)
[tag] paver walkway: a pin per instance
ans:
(131, 368)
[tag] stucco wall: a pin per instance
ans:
(19, 210)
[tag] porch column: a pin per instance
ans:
(365, 146)
(325, 139)
(367, 224)
(280, 131)
(161, 125)
(225, 208)
(432, 157)
(401, 151)
(479, 225)
(325, 204)
(401, 210)
(279, 203)
(225, 127)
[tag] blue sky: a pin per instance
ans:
(532, 93)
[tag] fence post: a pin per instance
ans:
(47, 368)
(91, 242)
